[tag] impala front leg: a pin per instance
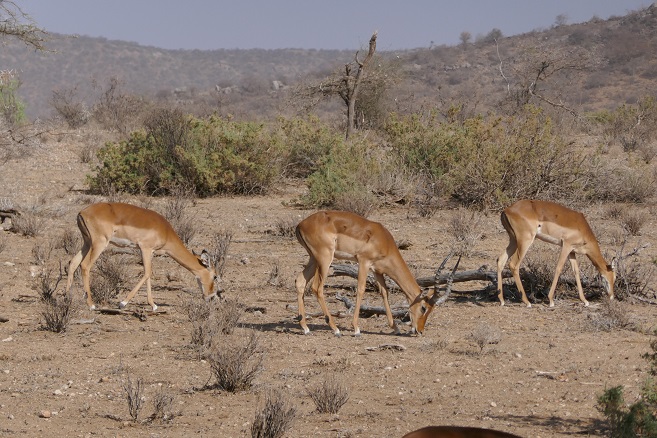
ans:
(381, 283)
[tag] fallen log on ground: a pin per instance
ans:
(480, 274)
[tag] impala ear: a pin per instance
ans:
(204, 258)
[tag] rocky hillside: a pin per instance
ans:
(598, 64)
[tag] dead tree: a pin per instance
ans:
(346, 85)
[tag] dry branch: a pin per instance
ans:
(344, 270)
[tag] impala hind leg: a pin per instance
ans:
(301, 282)
(89, 257)
(501, 262)
(516, 259)
(318, 288)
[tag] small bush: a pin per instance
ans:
(612, 315)
(29, 223)
(639, 419)
(285, 227)
(41, 252)
(329, 396)
(465, 228)
(176, 211)
(274, 419)
(57, 312)
(632, 221)
(3, 242)
(163, 406)
(219, 250)
(70, 107)
(69, 241)
(112, 277)
(235, 361)
(134, 395)
(484, 334)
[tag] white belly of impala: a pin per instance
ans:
(122, 242)
(340, 255)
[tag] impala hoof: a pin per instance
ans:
(337, 334)
(154, 307)
(122, 304)
(586, 304)
(92, 307)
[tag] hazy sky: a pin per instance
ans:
(308, 24)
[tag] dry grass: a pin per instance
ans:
(275, 418)
(329, 396)
(235, 361)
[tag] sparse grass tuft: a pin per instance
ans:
(235, 361)
(484, 334)
(274, 419)
(329, 396)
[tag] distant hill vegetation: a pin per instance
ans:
(589, 66)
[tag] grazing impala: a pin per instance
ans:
(556, 224)
(457, 432)
(132, 226)
(342, 235)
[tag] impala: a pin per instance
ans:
(553, 223)
(342, 235)
(127, 225)
(457, 432)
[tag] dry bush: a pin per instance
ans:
(41, 252)
(70, 107)
(235, 361)
(427, 198)
(622, 183)
(163, 406)
(632, 277)
(614, 211)
(274, 275)
(57, 312)
(176, 211)
(3, 242)
(134, 395)
(329, 396)
(28, 223)
(612, 315)
(219, 250)
(69, 241)
(87, 154)
(360, 202)
(211, 318)
(111, 279)
(117, 110)
(632, 221)
(484, 334)
(465, 227)
(285, 227)
(275, 418)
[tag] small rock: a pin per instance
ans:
(493, 404)
(57, 392)
(45, 414)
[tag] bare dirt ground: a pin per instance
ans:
(541, 377)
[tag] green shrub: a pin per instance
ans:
(211, 155)
(639, 419)
(489, 161)
(342, 173)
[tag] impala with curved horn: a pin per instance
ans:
(347, 236)
(552, 223)
(127, 225)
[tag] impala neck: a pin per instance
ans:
(176, 249)
(404, 278)
(598, 261)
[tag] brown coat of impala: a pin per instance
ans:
(457, 432)
(553, 223)
(131, 226)
(343, 235)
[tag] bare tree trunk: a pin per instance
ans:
(353, 83)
